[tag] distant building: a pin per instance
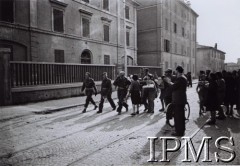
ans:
(167, 34)
(69, 31)
(232, 66)
(210, 58)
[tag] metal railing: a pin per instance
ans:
(139, 70)
(44, 73)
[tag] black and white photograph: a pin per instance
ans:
(119, 82)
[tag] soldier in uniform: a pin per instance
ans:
(106, 92)
(122, 83)
(91, 89)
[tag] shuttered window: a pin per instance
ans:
(59, 56)
(106, 59)
(58, 20)
(6, 10)
(106, 5)
(85, 27)
(106, 33)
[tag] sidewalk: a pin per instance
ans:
(11, 112)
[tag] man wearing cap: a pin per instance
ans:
(179, 99)
(90, 87)
(122, 83)
(106, 92)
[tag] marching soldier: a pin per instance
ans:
(106, 92)
(122, 83)
(91, 89)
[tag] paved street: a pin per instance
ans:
(68, 137)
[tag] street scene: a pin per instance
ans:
(67, 137)
(123, 82)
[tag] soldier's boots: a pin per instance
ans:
(95, 107)
(126, 108)
(100, 111)
(84, 110)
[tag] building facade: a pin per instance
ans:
(167, 34)
(69, 31)
(210, 58)
(233, 66)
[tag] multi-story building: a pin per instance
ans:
(69, 31)
(210, 58)
(167, 34)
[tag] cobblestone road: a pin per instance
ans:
(71, 138)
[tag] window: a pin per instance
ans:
(87, 1)
(183, 65)
(86, 57)
(193, 67)
(166, 65)
(85, 27)
(175, 28)
(127, 12)
(58, 20)
(106, 5)
(106, 32)
(106, 59)
(176, 48)
(175, 65)
(166, 45)
(166, 24)
(6, 10)
(166, 3)
(128, 38)
(59, 56)
(188, 52)
(194, 37)
(183, 32)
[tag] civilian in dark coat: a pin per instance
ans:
(221, 95)
(179, 99)
(212, 99)
(230, 98)
(238, 90)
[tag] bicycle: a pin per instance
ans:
(169, 110)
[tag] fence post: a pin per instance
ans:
(5, 80)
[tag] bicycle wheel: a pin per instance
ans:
(169, 114)
(187, 111)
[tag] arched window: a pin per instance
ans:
(129, 60)
(86, 57)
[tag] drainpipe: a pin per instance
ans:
(125, 40)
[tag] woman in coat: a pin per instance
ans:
(212, 99)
